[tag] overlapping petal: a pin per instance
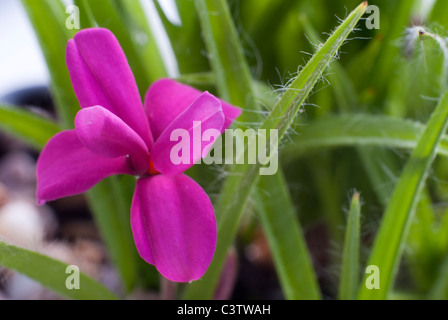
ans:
(174, 226)
(107, 135)
(172, 217)
(66, 167)
(166, 99)
(203, 114)
(101, 75)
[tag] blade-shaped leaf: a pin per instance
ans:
(440, 289)
(110, 207)
(286, 240)
(181, 23)
(357, 130)
(106, 14)
(51, 273)
(438, 12)
(86, 19)
(389, 243)
(295, 284)
(28, 126)
(146, 47)
(387, 56)
(229, 67)
(238, 186)
(283, 114)
(48, 19)
(349, 281)
(232, 74)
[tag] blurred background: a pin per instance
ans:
(21, 61)
(384, 71)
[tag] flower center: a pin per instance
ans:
(151, 170)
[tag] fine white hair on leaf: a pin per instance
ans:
(411, 36)
(420, 33)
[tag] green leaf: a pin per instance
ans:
(387, 57)
(110, 200)
(349, 281)
(257, 12)
(51, 273)
(86, 17)
(346, 99)
(264, 94)
(439, 291)
(232, 73)
(106, 14)
(224, 72)
(198, 79)
(365, 131)
(110, 207)
(48, 19)
(344, 91)
(438, 13)
(242, 178)
(146, 46)
(373, 159)
(424, 254)
(184, 35)
(32, 128)
(357, 130)
(283, 114)
(380, 167)
(286, 240)
(389, 243)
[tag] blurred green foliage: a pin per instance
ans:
(364, 115)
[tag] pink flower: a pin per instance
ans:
(172, 217)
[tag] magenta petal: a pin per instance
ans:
(101, 76)
(65, 168)
(174, 226)
(166, 99)
(105, 134)
(206, 111)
